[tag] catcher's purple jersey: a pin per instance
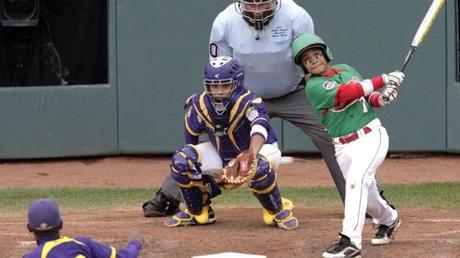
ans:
(81, 247)
(230, 132)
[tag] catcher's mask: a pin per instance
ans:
(222, 76)
(44, 216)
(258, 13)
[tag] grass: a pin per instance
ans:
(407, 196)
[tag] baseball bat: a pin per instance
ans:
(423, 29)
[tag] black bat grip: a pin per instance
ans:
(408, 57)
(406, 61)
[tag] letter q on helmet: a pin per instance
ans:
(308, 41)
(44, 215)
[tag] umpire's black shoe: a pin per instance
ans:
(384, 233)
(160, 206)
(343, 248)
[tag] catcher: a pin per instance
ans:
(242, 148)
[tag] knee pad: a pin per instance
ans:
(186, 171)
(265, 178)
(186, 166)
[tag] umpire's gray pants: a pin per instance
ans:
(296, 109)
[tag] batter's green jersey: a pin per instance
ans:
(339, 121)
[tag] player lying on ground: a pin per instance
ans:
(241, 141)
(344, 102)
(45, 223)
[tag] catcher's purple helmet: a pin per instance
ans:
(44, 215)
(223, 70)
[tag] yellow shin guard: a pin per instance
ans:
(269, 218)
(204, 216)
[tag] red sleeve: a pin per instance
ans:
(374, 99)
(348, 92)
(377, 82)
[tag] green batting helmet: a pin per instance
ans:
(308, 41)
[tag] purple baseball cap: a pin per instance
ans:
(44, 215)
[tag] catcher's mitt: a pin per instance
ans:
(240, 170)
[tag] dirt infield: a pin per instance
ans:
(423, 233)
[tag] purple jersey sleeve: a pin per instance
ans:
(257, 116)
(82, 246)
(101, 250)
(97, 249)
(131, 250)
(193, 126)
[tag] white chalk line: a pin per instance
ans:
(444, 233)
(149, 221)
(13, 234)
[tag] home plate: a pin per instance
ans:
(287, 160)
(230, 255)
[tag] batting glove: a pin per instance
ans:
(393, 78)
(388, 95)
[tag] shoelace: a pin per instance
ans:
(341, 244)
(384, 231)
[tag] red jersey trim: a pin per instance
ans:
(332, 72)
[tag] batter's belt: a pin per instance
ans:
(357, 134)
(353, 136)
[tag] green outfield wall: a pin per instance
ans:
(157, 51)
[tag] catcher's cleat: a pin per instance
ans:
(160, 206)
(185, 218)
(285, 220)
(385, 233)
(269, 218)
(287, 204)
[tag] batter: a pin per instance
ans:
(344, 103)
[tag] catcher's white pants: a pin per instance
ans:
(359, 161)
(211, 163)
